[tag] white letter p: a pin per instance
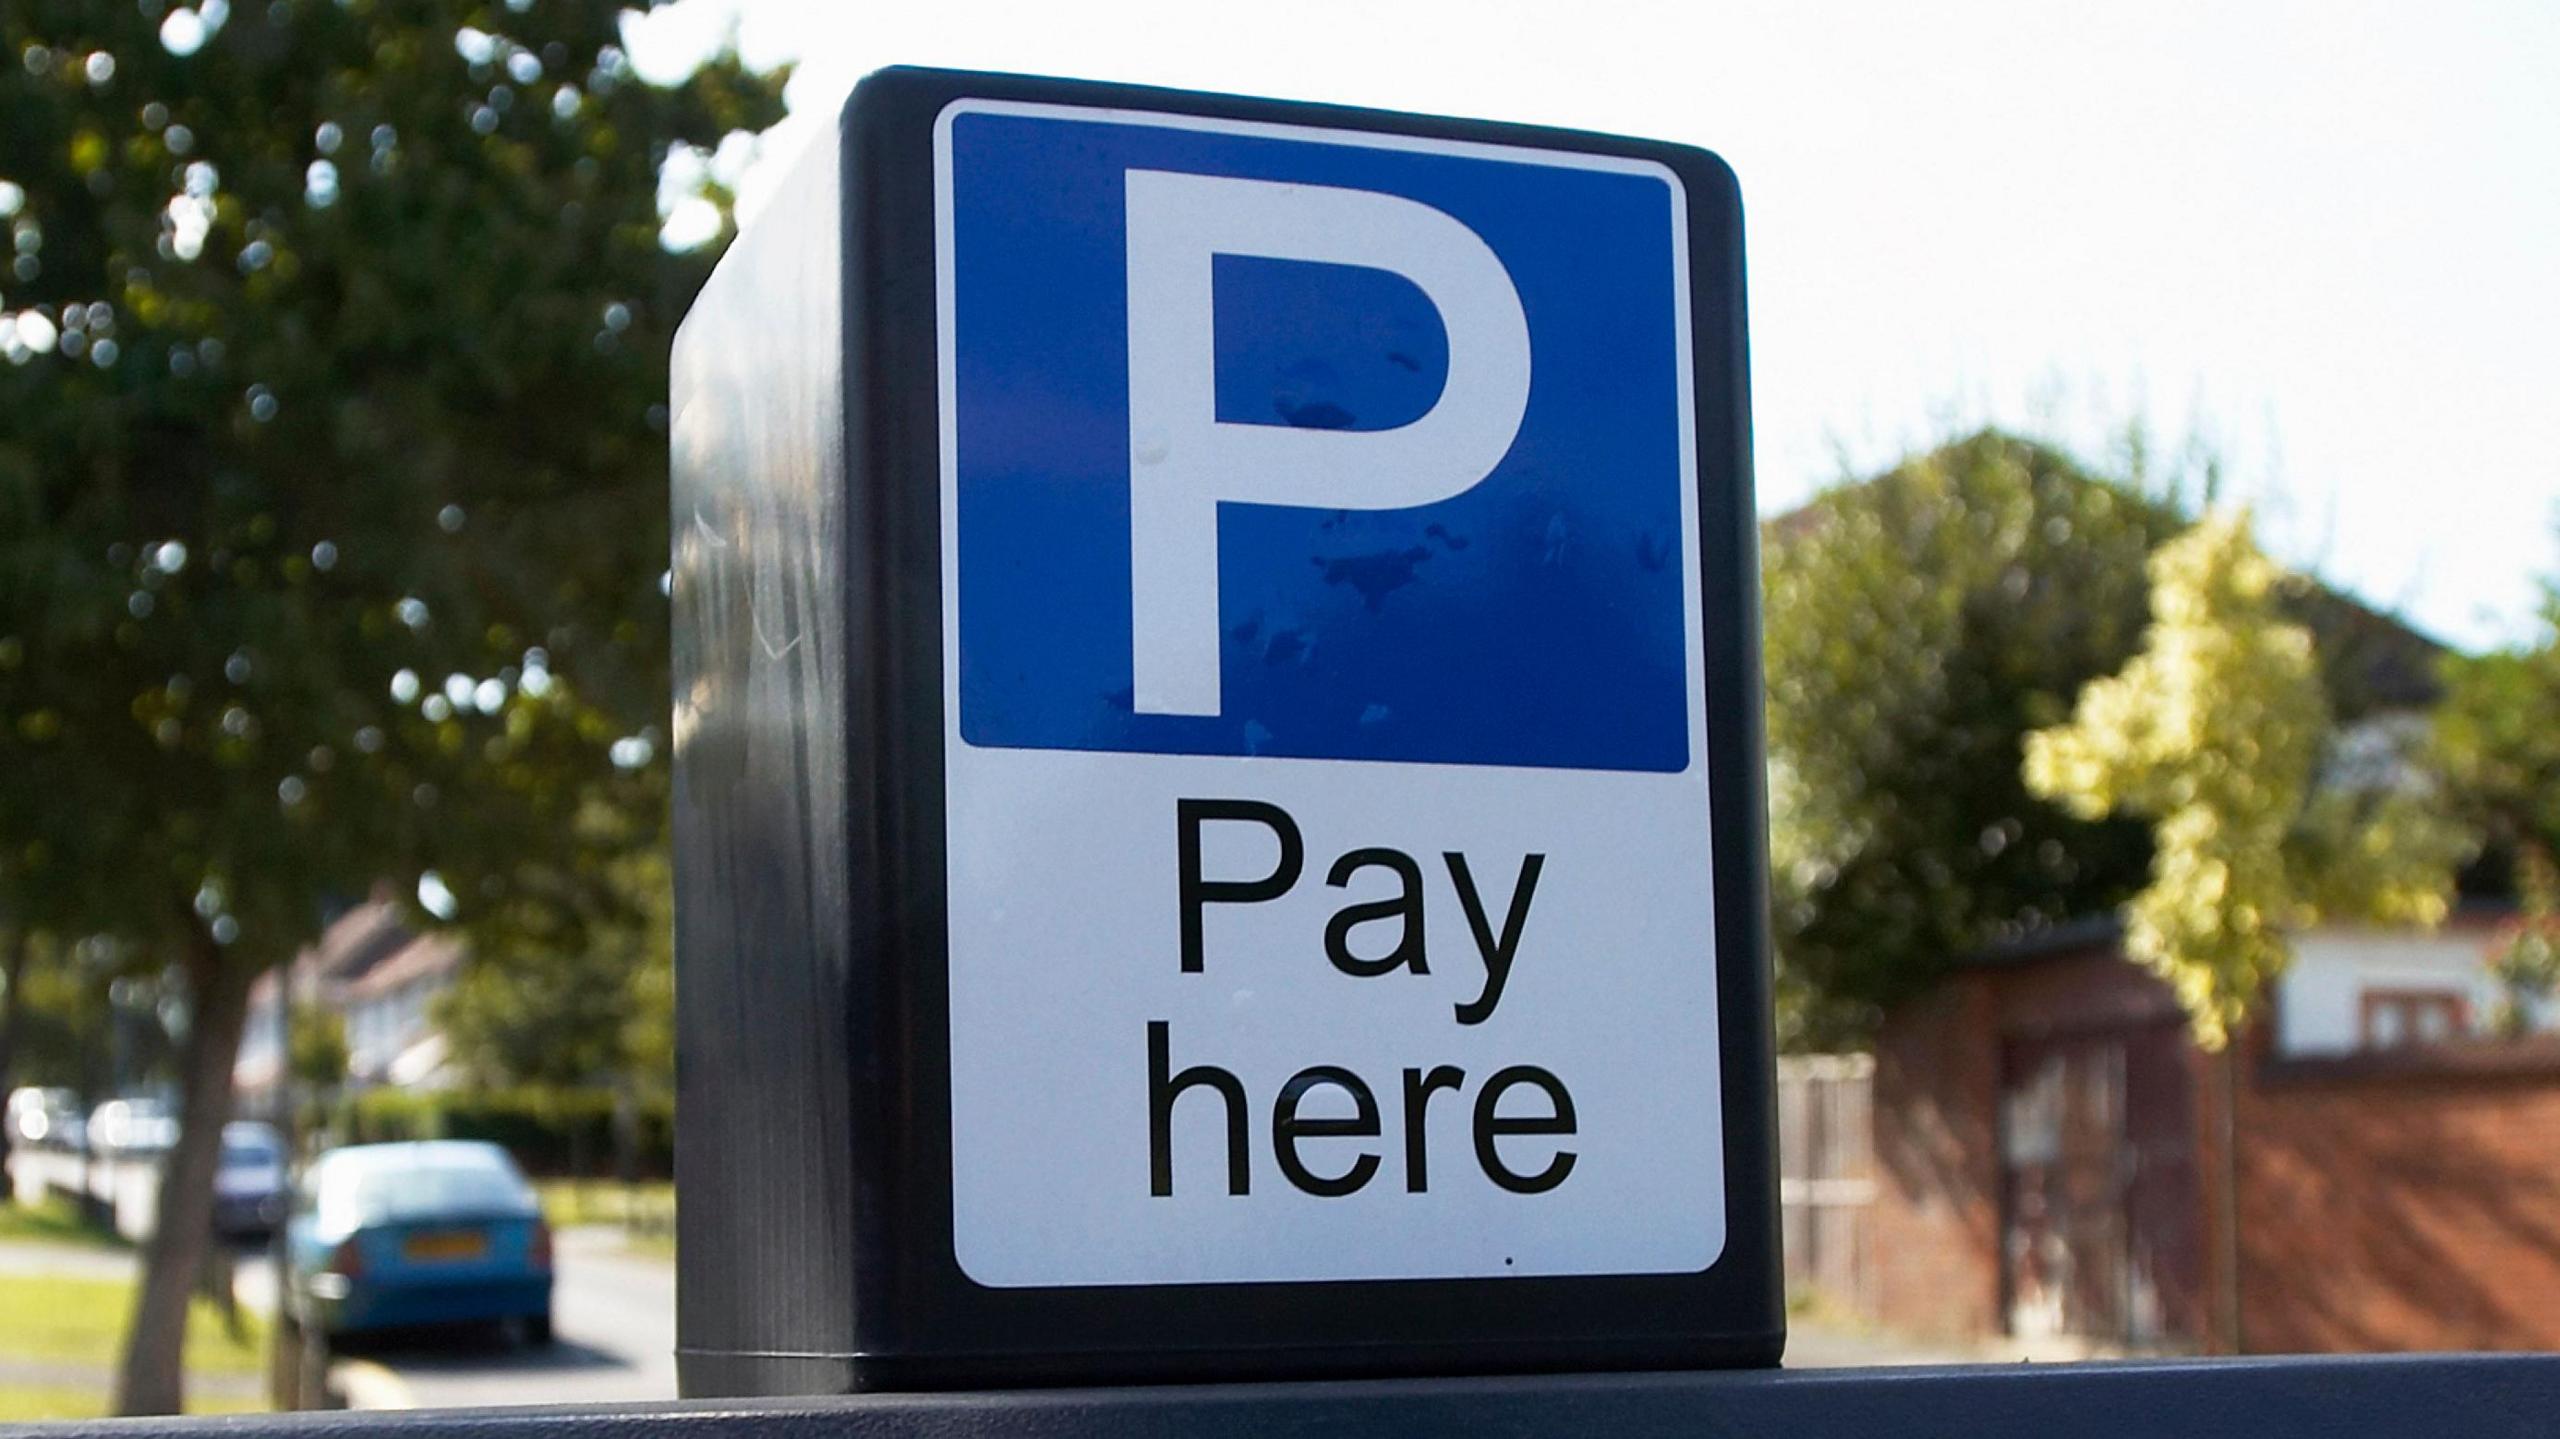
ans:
(1184, 460)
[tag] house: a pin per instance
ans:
(2356, 991)
(381, 978)
(389, 1009)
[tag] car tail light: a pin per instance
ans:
(540, 1254)
(347, 1258)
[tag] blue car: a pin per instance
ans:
(393, 1236)
(249, 1182)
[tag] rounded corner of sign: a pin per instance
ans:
(973, 1272)
(952, 109)
(1688, 763)
(1710, 175)
(1668, 174)
(1710, 1251)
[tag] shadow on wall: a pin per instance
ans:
(1937, 1216)
(2407, 1202)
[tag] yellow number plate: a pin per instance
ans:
(446, 1244)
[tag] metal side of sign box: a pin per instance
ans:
(1218, 812)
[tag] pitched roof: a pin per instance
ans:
(423, 956)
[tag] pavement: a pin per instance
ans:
(67, 1261)
(1814, 1343)
(1823, 1339)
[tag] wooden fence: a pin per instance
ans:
(1826, 1176)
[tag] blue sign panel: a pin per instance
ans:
(1305, 447)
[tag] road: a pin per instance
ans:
(613, 1315)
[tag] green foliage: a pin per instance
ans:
(57, 1219)
(358, 326)
(316, 1049)
(2497, 741)
(549, 1130)
(2217, 733)
(2526, 961)
(1917, 625)
(63, 1036)
(575, 987)
(644, 1207)
(333, 344)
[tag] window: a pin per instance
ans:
(2392, 1018)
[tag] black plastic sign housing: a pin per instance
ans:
(1218, 813)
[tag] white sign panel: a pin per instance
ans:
(1325, 731)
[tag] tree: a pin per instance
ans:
(573, 990)
(2499, 749)
(315, 1061)
(2220, 735)
(332, 519)
(570, 992)
(1917, 625)
(17, 947)
(316, 1049)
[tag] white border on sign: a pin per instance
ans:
(1530, 778)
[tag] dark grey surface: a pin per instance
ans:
(764, 860)
(2435, 1397)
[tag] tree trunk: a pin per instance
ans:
(13, 1008)
(152, 1379)
(2227, 1201)
(286, 1385)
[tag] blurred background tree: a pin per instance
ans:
(316, 1060)
(333, 335)
(316, 1050)
(2497, 739)
(570, 990)
(74, 1025)
(1917, 625)
(2220, 734)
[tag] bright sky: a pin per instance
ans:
(2324, 236)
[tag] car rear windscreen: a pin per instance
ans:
(434, 1191)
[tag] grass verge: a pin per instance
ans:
(56, 1221)
(650, 1243)
(20, 1403)
(644, 1209)
(61, 1319)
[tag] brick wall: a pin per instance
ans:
(2407, 1201)
(2401, 1201)
(1937, 1214)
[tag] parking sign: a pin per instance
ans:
(1328, 851)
